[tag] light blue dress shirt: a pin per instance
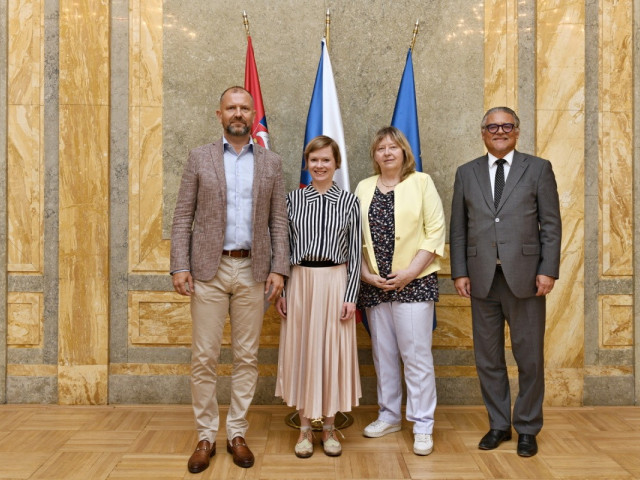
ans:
(238, 170)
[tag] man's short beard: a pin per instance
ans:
(238, 132)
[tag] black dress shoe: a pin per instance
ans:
(494, 438)
(527, 445)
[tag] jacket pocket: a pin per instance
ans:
(528, 249)
(472, 251)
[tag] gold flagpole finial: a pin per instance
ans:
(415, 34)
(245, 21)
(327, 27)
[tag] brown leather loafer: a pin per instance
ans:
(199, 460)
(242, 456)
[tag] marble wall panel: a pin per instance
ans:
(454, 323)
(148, 251)
(560, 138)
(501, 54)
(163, 318)
(616, 321)
(84, 52)
(83, 313)
(25, 52)
(615, 137)
(84, 219)
(25, 189)
(25, 320)
(25, 158)
(159, 318)
(82, 384)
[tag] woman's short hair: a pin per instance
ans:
(408, 163)
(319, 142)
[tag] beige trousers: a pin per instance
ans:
(232, 291)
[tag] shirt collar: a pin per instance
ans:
(508, 158)
(333, 194)
(227, 146)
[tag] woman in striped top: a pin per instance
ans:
(318, 358)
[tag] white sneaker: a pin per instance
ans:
(379, 428)
(423, 444)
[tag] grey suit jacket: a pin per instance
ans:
(200, 216)
(525, 230)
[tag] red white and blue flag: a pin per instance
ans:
(324, 119)
(259, 130)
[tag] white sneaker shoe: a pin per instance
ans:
(423, 444)
(379, 428)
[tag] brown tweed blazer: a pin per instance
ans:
(200, 217)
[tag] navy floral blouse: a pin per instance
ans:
(382, 225)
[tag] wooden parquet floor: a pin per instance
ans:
(154, 442)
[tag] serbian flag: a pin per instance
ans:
(405, 113)
(324, 119)
(259, 130)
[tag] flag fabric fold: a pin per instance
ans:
(259, 130)
(324, 118)
(405, 113)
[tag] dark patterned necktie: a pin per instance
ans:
(499, 182)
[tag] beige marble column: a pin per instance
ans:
(560, 112)
(84, 202)
(501, 54)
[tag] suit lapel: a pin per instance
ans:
(518, 167)
(217, 158)
(481, 170)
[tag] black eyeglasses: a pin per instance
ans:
(494, 127)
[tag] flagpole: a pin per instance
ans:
(415, 34)
(245, 21)
(327, 27)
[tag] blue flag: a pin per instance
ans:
(405, 113)
(324, 118)
(405, 119)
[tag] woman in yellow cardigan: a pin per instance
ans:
(403, 231)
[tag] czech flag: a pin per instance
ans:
(324, 119)
(259, 130)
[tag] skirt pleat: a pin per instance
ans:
(318, 354)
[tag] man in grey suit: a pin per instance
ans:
(505, 255)
(229, 248)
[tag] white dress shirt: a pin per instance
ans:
(493, 167)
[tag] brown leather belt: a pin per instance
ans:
(236, 253)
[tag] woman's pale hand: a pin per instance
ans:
(281, 307)
(373, 279)
(398, 280)
(348, 311)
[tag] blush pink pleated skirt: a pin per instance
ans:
(318, 357)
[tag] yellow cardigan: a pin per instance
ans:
(419, 221)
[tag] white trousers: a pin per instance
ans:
(233, 292)
(404, 331)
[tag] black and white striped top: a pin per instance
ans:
(327, 227)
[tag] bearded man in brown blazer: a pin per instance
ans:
(229, 248)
